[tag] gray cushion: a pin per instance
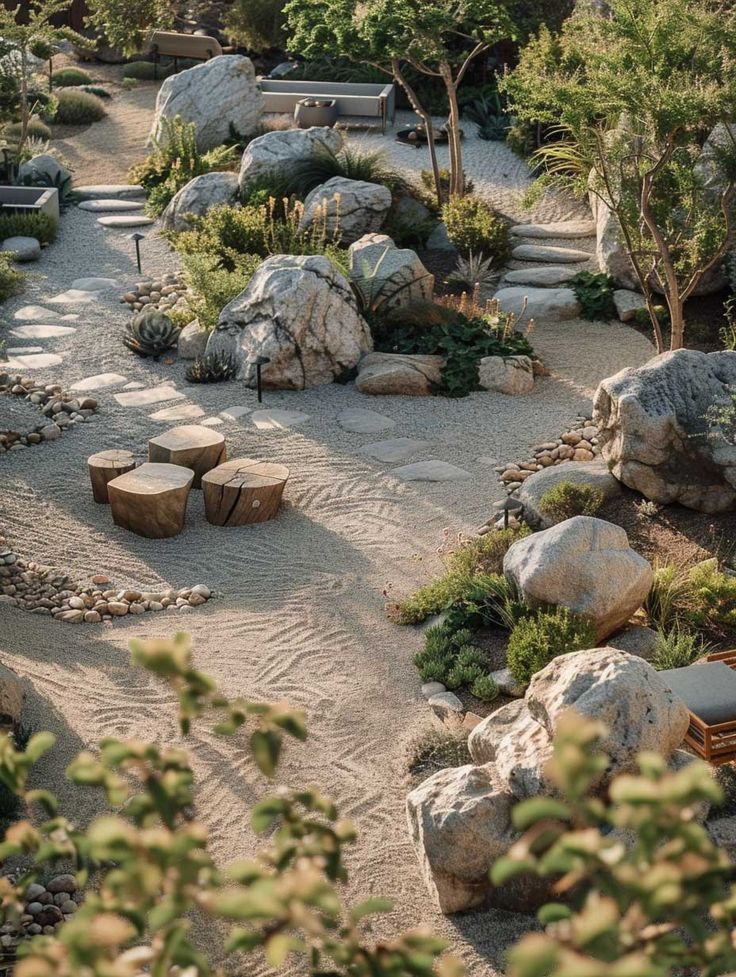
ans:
(708, 690)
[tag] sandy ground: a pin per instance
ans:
(299, 608)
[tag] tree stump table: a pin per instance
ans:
(151, 500)
(191, 446)
(103, 467)
(242, 491)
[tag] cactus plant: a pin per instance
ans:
(212, 368)
(151, 333)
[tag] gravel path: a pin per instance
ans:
(299, 612)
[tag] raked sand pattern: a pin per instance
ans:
(298, 613)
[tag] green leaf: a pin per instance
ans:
(553, 912)
(243, 940)
(506, 869)
(265, 745)
(370, 906)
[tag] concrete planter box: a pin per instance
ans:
(43, 200)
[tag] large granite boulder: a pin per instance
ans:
(653, 430)
(42, 168)
(387, 276)
(11, 698)
(198, 197)
(218, 95)
(593, 474)
(300, 312)
(484, 738)
(346, 209)
(584, 564)
(274, 154)
(509, 375)
(410, 374)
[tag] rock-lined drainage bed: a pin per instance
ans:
(32, 413)
(42, 590)
(46, 907)
(166, 292)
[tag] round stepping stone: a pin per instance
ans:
(360, 420)
(74, 296)
(243, 491)
(278, 420)
(111, 206)
(41, 332)
(393, 450)
(151, 500)
(191, 446)
(125, 220)
(134, 385)
(543, 277)
(212, 421)
(94, 284)
(31, 312)
(33, 361)
(119, 191)
(559, 304)
(180, 413)
(430, 471)
(154, 395)
(556, 229)
(22, 248)
(98, 382)
(546, 252)
(234, 413)
(103, 467)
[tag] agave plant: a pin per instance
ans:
(475, 270)
(212, 368)
(151, 333)
(488, 114)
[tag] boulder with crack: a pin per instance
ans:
(346, 209)
(197, 198)
(275, 154)
(386, 276)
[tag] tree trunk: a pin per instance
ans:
(24, 111)
(426, 119)
(457, 177)
(677, 321)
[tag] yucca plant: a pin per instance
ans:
(151, 333)
(472, 271)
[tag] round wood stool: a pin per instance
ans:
(242, 491)
(103, 467)
(191, 446)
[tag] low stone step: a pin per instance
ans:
(544, 277)
(556, 304)
(111, 206)
(546, 252)
(101, 191)
(125, 220)
(628, 303)
(556, 229)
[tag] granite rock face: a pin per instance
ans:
(387, 276)
(274, 154)
(346, 209)
(198, 197)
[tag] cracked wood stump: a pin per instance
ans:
(103, 467)
(191, 446)
(151, 500)
(243, 491)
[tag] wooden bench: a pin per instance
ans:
(243, 491)
(709, 692)
(191, 446)
(193, 47)
(103, 467)
(151, 500)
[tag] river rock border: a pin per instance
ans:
(46, 907)
(60, 409)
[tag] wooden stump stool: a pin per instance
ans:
(151, 500)
(243, 491)
(103, 467)
(191, 446)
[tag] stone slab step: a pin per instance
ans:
(543, 277)
(125, 220)
(111, 206)
(556, 304)
(556, 229)
(101, 191)
(548, 253)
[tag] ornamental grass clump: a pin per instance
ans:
(78, 108)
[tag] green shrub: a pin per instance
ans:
(97, 90)
(485, 688)
(594, 291)
(567, 499)
(427, 178)
(11, 280)
(701, 598)
(257, 25)
(472, 225)
(539, 638)
(70, 78)
(211, 287)
(226, 234)
(36, 130)
(437, 749)
(77, 108)
(353, 164)
(130, 83)
(667, 597)
(677, 649)
(146, 70)
(41, 226)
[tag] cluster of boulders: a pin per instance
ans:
(20, 426)
(46, 908)
(164, 293)
(42, 590)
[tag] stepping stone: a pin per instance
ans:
(98, 382)
(125, 220)
(191, 446)
(101, 191)
(487, 460)
(94, 284)
(542, 277)
(546, 252)
(212, 421)
(430, 471)
(30, 312)
(74, 296)
(179, 413)
(33, 361)
(111, 206)
(151, 500)
(559, 304)
(278, 420)
(360, 420)
(41, 332)
(243, 491)
(234, 413)
(16, 350)
(395, 449)
(134, 385)
(557, 229)
(70, 317)
(628, 303)
(22, 248)
(154, 395)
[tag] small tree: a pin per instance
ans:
(643, 890)
(125, 23)
(28, 31)
(635, 92)
(437, 39)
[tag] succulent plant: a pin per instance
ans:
(151, 333)
(212, 368)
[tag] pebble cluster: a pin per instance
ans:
(41, 590)
(47, 907)
(61, 410)
(161, 293)
(579, 444)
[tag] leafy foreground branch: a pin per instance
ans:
(146, 863)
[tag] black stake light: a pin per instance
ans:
(509, 506)
(259, 362)
(137, 237)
